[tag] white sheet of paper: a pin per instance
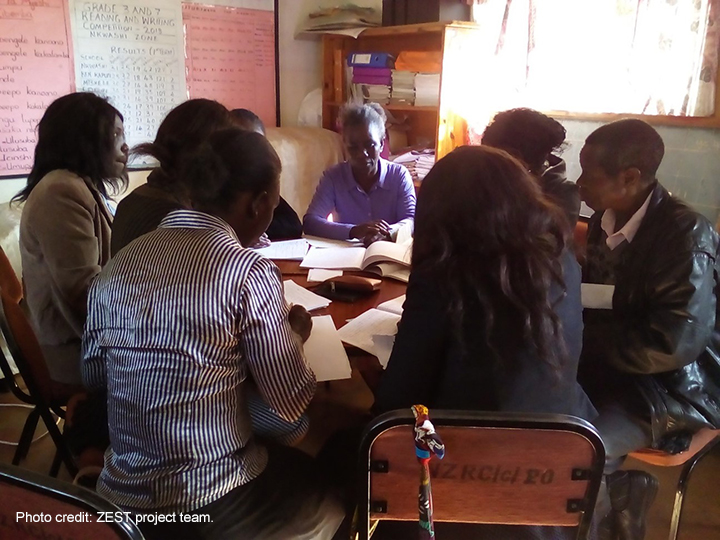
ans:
(317, 241)
(596, 296)
(295, 294)
(334, 258)
(287, 250)
(393, 306)
(318, 275)
(325, 353)
(373, 331)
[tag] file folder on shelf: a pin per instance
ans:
(371, 59)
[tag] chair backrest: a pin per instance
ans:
(10, 286)
(9, 282)
(24, 348)
(36, 506)
(500, 468)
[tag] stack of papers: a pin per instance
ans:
(289, 250)
(403, 88)
(418, 162)
(297, 295)
(348, 19)
(377, 93)
(427, 89)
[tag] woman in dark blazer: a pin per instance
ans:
(493, 319)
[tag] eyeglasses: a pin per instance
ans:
(368, 146)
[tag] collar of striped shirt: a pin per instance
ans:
(194, 219)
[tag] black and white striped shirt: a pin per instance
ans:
(176, 322)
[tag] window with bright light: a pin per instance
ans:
(652, 57)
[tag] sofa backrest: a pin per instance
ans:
(305, 152)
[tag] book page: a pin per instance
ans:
(391, 270)
(373, 331)
(393, 306)
(325, 353)
(596, 296)
(349, 258)
(286, 250)
(387, 251)
(295, 294)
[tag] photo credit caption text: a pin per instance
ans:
(111, 517)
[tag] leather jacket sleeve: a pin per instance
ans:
(674, 321)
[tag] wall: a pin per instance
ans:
(300, 72)
(300, 61)
(690, 169)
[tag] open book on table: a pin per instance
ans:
(398, 271)
(358, 258)
(374, 331)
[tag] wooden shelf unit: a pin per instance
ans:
(442, 126)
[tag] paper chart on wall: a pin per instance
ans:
(230, 57)
(35, 68)
(132, 53)
(267, 5)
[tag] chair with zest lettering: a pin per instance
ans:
(499, 468)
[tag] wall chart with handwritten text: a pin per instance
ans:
(145, 56)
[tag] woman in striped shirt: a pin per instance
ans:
(178, 323)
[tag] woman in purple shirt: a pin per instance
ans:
(370, 198)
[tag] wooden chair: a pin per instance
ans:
(51, 502)
(499, 468)
(45, 395)
(704, 442)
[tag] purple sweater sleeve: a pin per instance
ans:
(405, 202)
(315, 221)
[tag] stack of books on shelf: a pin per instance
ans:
(403, 88)
(371, 76)
(418, 162)
(427, 89)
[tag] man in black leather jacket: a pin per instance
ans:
(651, 363)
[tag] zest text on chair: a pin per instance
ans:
(499, 468)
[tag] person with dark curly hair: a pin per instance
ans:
(180, 133)
(492, 320)
(534, 139)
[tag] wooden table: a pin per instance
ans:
(341, 312)
(344, 403)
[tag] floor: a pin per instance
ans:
(701, 518)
